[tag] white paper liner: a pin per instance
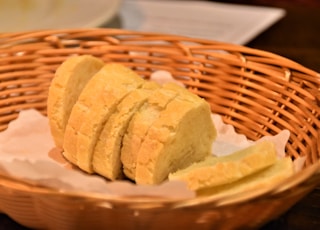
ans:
(27, 152)
(228, 141)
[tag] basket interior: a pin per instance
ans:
(259, 93)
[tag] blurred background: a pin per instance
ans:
(296, 35)
(296, 28)
(293, 35)
(276, 2)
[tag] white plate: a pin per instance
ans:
(22, 15)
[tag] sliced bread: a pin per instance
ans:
(138, 126)
(69, 80)
(268, 177)
(97, 101)
(215, 171)
(182, 134)
(106, 157)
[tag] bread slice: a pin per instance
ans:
(183, 134)
(69, 80)
(216, 171)
(96, 103)
(106, 157)
(138, 126)
(268, 177)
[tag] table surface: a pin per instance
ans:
(296, 37)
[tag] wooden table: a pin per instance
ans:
(296, 36)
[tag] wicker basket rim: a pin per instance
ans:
(15, 38)
(298, 179)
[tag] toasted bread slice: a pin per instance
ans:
(268, 177)
(183, 134)
(68, 82)
(96, 103)
(106, 157)
(215, 171)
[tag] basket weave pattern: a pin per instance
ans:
(257, 92)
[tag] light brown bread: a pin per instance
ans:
(268, 177)
(68, 82)
(182, 134)
(147, 114)
(96, 103)
(215, 171)
(106, 117)
(106, 157)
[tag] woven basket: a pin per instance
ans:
(257, 92)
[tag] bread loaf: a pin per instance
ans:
(96, 103)
(69, 80)
(111, 121)
(106, 158)
(215, 171)
(138, 127)
(182, 134)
